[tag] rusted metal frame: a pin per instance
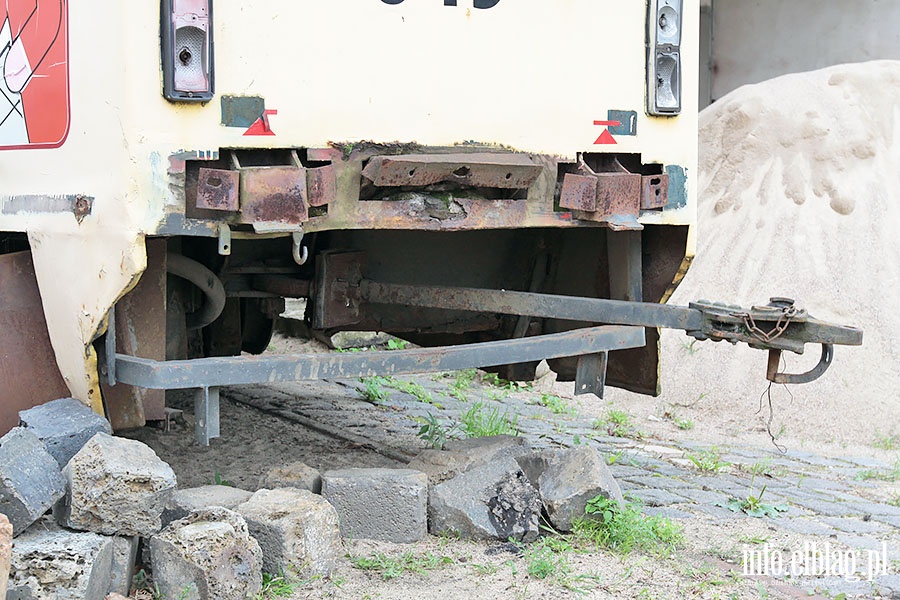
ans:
(241, 370)
(594, 310)
(484, 169)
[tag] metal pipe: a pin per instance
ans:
(208, 282)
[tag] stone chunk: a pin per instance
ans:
(390, 505)
(566, 479)
(64, 425)
(6, 537)
(185, 501)
(55, 564)
(115, 486)
(458, 456)
(124, 558)
(493, 501)
(207, 556)
(295, 475)
(297, 530)
(30, 481)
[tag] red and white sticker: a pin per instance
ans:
(34, 74)
(606, 137)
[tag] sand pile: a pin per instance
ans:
(800, 197)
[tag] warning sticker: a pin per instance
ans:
(34, 74)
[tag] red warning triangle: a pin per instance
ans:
(605, 138)
(261, 125)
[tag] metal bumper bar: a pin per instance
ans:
(207, 374)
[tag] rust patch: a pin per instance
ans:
(273, 194)
(321, 186)
(579, 192)
(477, 169)
(654, 191)
(217, 189)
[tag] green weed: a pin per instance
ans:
(397, 344)
(275, 586)
(219, 480)
(618, 423)
(557, 405)
(887, 442)
(392, 567)
(708, 461)
(890, 474)
(621, 527)
(373, 389)
(753, 506)
(434, 432)
(481, 422)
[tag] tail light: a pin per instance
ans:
(664, 57)
(187, 50)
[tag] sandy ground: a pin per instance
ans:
(798, 185)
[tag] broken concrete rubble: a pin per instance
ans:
(30, 480)
(49, 563)
(185, 501)
(208, 555)
(566, 479)
(389, 505)
(64, 426)
(295, 475)
(297, 530)
(493, 501)
(458, 456)
(115, 486)
(6, 538)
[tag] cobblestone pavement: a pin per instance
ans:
(834, 499)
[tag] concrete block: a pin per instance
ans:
(389, 505)
(185, 501)
(566, 479)
(64, 425)
(208, 555)
(493, 501)
(490, 447)
(30, 480)
(49, 563)
(116, 486)
(297, 530)
(458, 456)
(441, 465)
(124, 558)
(295, 475)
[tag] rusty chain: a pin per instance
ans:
(784, 319)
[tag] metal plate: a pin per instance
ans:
(217, 189)
(321, 185)
(338, 299)
(654, 191)
(141, 330)
(480, 169)
(273, 195)
(28, 372)
(579, 192)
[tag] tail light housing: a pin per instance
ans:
(187, 50)
(664, 57)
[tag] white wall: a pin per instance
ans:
(755, 40)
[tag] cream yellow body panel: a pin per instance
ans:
(530, 75)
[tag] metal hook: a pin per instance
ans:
(299, 252)
(773, 375)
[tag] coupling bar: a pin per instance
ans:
(573, 308)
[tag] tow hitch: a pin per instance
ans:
(341, 293)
